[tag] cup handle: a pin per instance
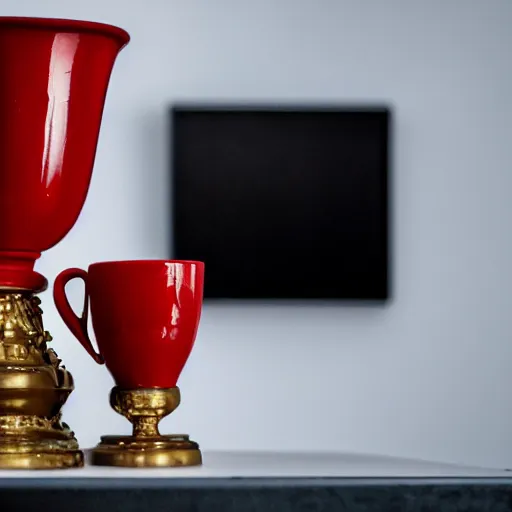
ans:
(76, 324)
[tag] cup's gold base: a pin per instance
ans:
(137, 452)
(146, 448)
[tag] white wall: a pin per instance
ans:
(427, 376)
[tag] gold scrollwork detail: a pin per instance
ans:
(30, 422)
(23, 340)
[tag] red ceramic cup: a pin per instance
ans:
(145, 316)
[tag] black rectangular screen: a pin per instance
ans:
(283, 203)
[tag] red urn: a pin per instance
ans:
(53, 82)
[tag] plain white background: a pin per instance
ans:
(426, 376)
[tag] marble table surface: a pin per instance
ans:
(279, 465)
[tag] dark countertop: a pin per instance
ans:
(246, 482)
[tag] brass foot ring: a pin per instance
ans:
(131, 452)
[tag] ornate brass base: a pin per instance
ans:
(144, 408)
(33, 389)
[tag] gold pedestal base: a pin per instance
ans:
(37, 442)
(32, 435)
(133, 452)
(33, 388)
(144, 408)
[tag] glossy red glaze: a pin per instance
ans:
(53, 81)
(145, 316)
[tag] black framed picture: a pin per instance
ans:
(283, 202)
